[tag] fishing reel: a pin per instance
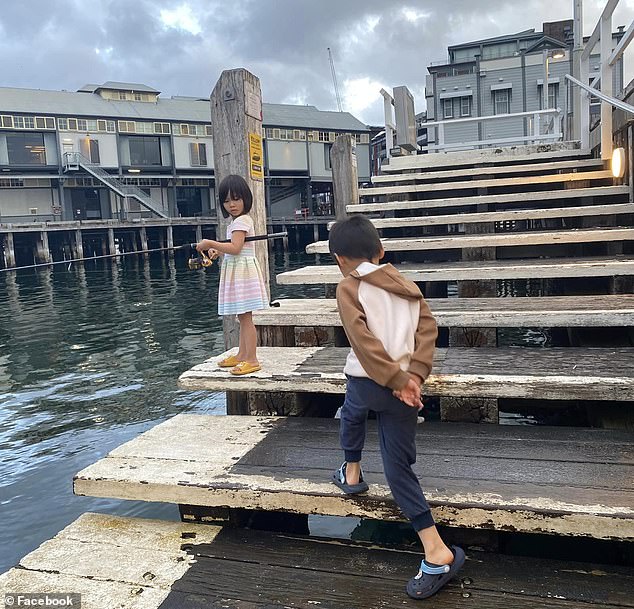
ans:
(201, 261)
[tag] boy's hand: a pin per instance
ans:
(410, 394)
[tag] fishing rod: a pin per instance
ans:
(150, 251)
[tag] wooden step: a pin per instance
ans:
(134, 563)
(565, 481)
(488, 156)
(493, 269)
(502, 372)
(522, 181)
(508, 239)
(478, 171)
(499, 199)
(509, 215)
(526, 312)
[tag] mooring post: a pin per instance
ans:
(43, 251)
(9, 251)
(170, 240)
(236, 118)
(79, 244)
(345, 177)
(143, 237)
(112, 248)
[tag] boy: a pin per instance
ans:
(392, 334)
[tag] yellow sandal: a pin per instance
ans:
(229, 362)
(245, 368)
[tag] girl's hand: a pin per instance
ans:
(213, 254)
(205, 245)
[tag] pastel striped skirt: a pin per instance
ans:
(242, 286)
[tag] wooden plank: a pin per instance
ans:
(544, 311)
(507, 215)
(459, 241)
(500, 199)
(489, 156)
(511, 372)
(483, 572)
(497, 170)
(493, 269)
(519, 488)
(215, 563)
(112, 561)
(490, 183)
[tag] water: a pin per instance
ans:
(89, 359)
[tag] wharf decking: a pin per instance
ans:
(564, 481)
(130, 563)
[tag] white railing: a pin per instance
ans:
(543, 126)
(602, 86)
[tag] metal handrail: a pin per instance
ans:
(617, 103)
(474, 119)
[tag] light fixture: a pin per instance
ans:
(134, 171)
(558, 54)
(618, 162)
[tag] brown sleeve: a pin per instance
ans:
(424, 343)
(370, 352)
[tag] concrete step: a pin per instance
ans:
(138, 563)
(538, 153)
(499, 199)
(509, 215)
(458, 241)
(524, 182)
(484, 372)
(497, 170)
(531, 268)
(564, 481)
(525, 312)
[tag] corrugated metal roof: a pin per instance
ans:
(70, 103)
(126, 86)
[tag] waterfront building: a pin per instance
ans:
(164, 146)
(505, 75)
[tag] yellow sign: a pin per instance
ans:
(256, 157)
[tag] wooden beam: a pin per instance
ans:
(495, 183)
(590, 235)
(498, 269)
(345, 179)
(512, 372)
(501, 199)
(543, 311)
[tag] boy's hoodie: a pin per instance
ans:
(388, 324)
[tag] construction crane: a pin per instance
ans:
(334, 80)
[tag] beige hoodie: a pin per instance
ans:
(388, 324)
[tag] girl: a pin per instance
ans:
(242, 288)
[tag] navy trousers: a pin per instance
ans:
(397, 435)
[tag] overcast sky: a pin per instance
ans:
(180, 46)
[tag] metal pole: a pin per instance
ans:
(576, 69)
(606, 87)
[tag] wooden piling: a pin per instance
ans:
(9, 251)
(345, 178)
(79, 244)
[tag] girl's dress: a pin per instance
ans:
(242, 286)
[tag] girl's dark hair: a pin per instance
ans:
(236, 187)
(355, 237)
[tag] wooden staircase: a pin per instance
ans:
(550, 215)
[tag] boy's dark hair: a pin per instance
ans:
(355, 237)
(236, 187)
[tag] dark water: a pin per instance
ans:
(89, 359)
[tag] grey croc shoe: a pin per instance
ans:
(431, 578)
(339, 479)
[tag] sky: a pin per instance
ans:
(180, 47)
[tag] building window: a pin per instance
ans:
(209, 130)
(447, 108)
(82, 125)
(198, 154)
(502, 101)
(465, 106)
(7, 121)
(553, 95)
(162, 128)
(90, 149)
(145, 151)
(327, 150)
(26, 149)
(123, 96)
(138, 97)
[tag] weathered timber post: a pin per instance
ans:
(112, 248)
(42, 248)
(345, 177)
(143, 237)
(236, 118)
(79, 244)
(9, 251)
